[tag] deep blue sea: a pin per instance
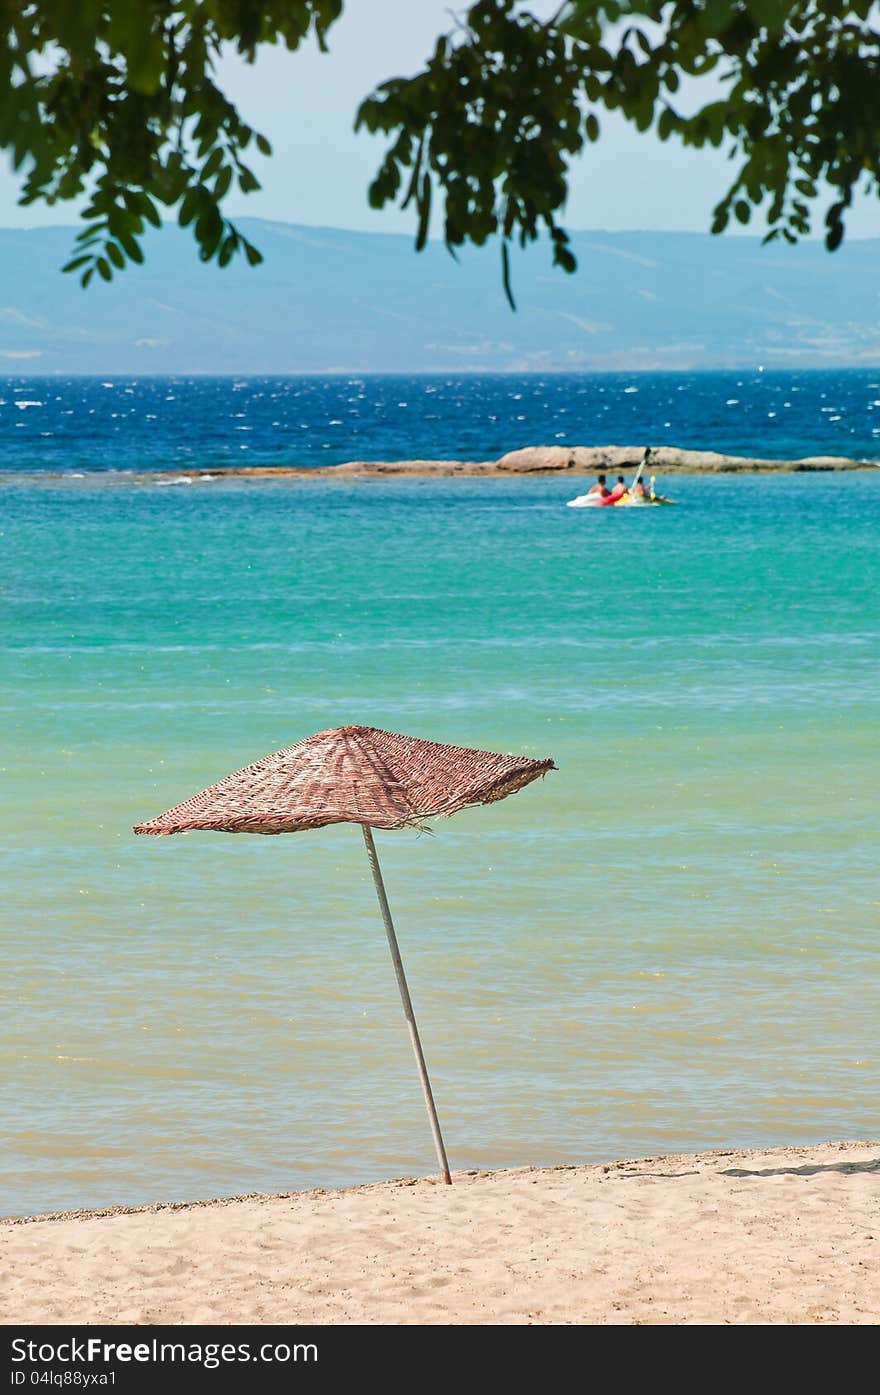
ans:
(669, 944)
(85, 424)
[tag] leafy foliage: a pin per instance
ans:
(118, 99)
(492, 120)
(507, 99)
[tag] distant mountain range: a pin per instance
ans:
(329, 301)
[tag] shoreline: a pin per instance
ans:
(430, 1179)
(736, 1236)
(544, 461)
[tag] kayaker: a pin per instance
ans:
(616, 493)
(619, 489)
(600, 487)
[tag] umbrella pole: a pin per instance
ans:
(407, 1002)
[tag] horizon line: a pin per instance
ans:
(729, 235)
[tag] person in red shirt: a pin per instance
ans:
(617, 492)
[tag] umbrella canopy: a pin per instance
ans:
(355, 774)
(350, 775)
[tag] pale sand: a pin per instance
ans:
(787, 1235)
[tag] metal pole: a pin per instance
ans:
(407, 1003)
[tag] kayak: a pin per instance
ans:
(595, 501)
(640, 503)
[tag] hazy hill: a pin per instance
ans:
(327, 300)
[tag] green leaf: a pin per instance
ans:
(720, 219)
(189, 207)
(834, 237)
(103, 269)
(227, 251)
(209, 230)
(770, 14)
(118, 219)
(717, 16)
(115, 254)
(149, 209)
(424, 212)
(666, 123)
(505, 275)
(212, 164)
(131, 246)
(222, 182)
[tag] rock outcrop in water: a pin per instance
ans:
(579, 460)
(530, 460)
(553, 460)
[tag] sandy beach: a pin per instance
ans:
(777, 1236)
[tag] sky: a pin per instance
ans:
(319, 172)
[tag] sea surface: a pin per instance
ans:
(80, 425)
(668, 944)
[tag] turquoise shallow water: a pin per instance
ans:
(668, 944)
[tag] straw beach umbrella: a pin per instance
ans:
(356, 775)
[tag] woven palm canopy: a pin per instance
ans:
(350, 775)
